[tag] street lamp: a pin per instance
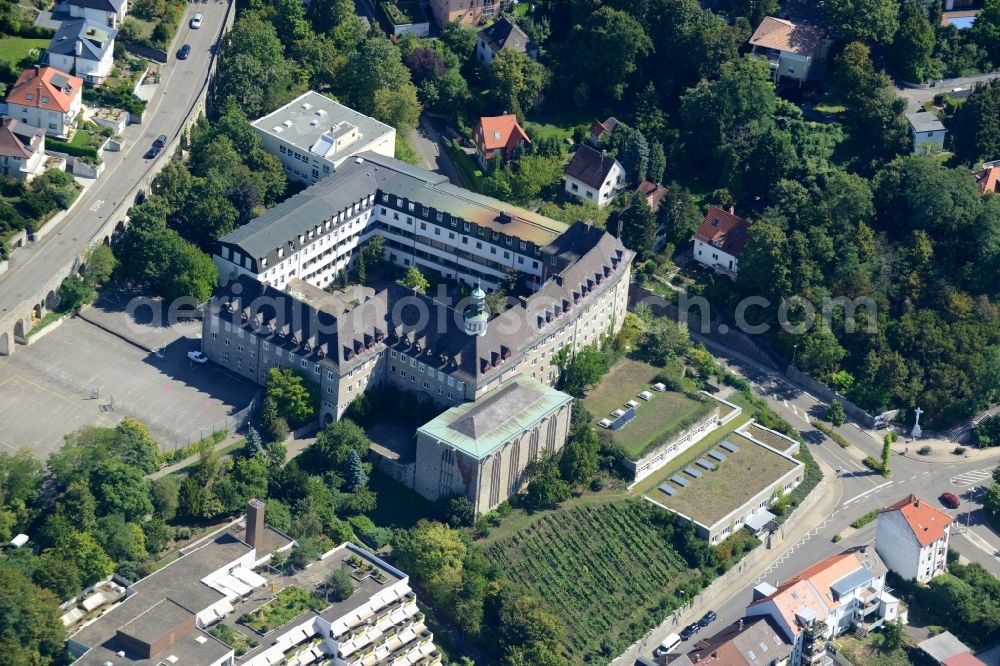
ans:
(795, 348)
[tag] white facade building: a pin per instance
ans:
(926, 131)
(83, 47)
(790, 48)
(46, 98)
(594, 176)
(313, 135)
(720, 240)
(22, 150)
(912, 538)
(828, 599)
(108, 12)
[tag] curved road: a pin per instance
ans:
(180, 84)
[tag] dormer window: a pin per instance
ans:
(30, 96)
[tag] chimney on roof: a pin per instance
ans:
(38, 69)
(916, 503)
(732, 209)
(255, 524)
(78, 48)
(741, 624)
(697, 657)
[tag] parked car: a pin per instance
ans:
(196, 21)
(197, 357)
(690, 631)
(708, 618)
(152, 152)
(184, 52)
(668, 645)
(950, 500)
(160, 141)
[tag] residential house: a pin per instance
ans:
(498, 135)
(466, 12)
(829, 598)
(47, 98)
(22, 150)
(654, 193)
(83, 47)
(594, 176)
(501, 35)
(600, 132)
(988, 180)
(720, 240)
(790, 48)
(946, 650)
(912, 538)
(926, 131)
(752, 641)
(106, 12)
(313, 135)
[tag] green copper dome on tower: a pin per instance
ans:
(476, 316)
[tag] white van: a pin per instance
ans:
(669, 644)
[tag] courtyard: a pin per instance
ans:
(80, 374)
(665, 415)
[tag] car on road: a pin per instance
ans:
(160, 141)
(184, 52)
(196, 21)
(690, 631)
(708, 618)
(668, 645)
(950, 500)
(197, 357)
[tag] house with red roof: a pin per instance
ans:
(827, 599)
(720, 240)
(945, 649)
(988, 180)
(46, 98)
(912, 538)
(498, 135)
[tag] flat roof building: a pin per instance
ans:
(312, 135)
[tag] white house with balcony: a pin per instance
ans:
(22, 150)
(912, 538)
(790, 48)
(83, 47)
(828, 599)
(46, 98)
(312, 135)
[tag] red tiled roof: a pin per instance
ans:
(58, 89)
(494, 132)
(963, 659)
(598, 129)
(988, 180)
(784, 35)
(723, 230)
(928, 524)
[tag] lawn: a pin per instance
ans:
(546, 130)
(289, 604)
(403, 12)
(736, 480)
(15, 49)
(48, 318)
(604, 569)
(234, 639)
(656, 421)
(398, 506)
(871, 651)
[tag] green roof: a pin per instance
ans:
(477, 429)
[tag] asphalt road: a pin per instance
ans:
(426, 141)
(180, 83)
(864, 490)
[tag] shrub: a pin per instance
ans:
(339, 585)
(835, 413)
(924, 450)
(829, 432)
(960, 450)
(865, 520)
(836, 537)
(872, 463)
(597, 484)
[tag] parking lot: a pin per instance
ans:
(81, 374)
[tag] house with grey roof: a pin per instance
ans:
(926, 130)
(503, 35)
(22, 150)
(106, 12)
(594, 176)
(313, 135)
(83, 47)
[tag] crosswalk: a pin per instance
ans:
(971, 478)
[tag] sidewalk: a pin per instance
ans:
(822, 501)
(294, 445)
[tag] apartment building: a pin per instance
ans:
(313, 135)
(912, 538)
(169, 616)
(425, 220)
(829, 598)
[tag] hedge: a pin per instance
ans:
(831, 433)
(865, 519)
(60, 146)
